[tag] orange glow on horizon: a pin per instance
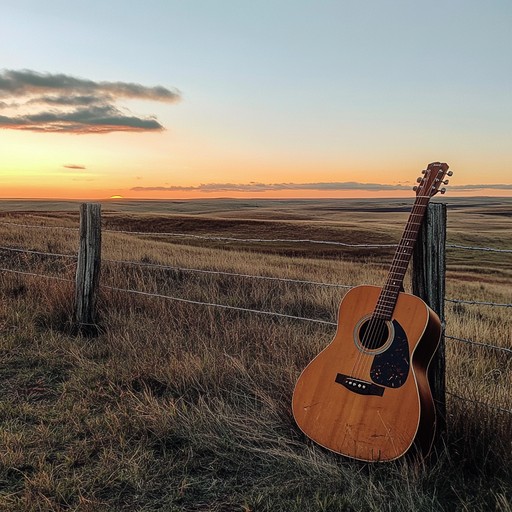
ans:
(35, 192)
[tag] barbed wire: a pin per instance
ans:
(218, 272)
(480, 344)
(40, 253)
(184, 269)
(480, 303)
(179, 299)
(248, 276)
(223, 306)
(486, 404)
(261, 312)
(38, 226)
(36, 275)
(256, 240)
(471, 248)
(249, 240)
(285, 240)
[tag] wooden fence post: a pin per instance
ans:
(428, 283)
(88, 268)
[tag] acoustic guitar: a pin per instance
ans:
(367, 395)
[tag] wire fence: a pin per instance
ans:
(254, 240)
(234, 274)
(213, 272)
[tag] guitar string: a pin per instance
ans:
(399, 265)
(377, 327)
(402, 255)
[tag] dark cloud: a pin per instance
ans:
(93, 119)
(69, 100)
(74, 105)
(74, 166)
(266, 187)
(22, 83)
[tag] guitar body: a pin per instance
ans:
(371, 400)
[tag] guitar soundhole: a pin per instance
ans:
(373, 333)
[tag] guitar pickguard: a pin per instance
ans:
(391, 368)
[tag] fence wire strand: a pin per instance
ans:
(478, 402)
(234, 274)
(256, 240)
(35, 275)
(38, 226)
(40, 253)
(223, 306)
(480, 303)
(470, 248)
(248, 240)
(480, 344)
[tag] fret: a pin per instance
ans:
(385, 307)
(387, 302)
(387, 299)
(384, 315)
(399, 270)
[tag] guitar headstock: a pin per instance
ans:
(433, 177)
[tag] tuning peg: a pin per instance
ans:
(420, 179)
(450, 173)
(415, 188)
(443, 190)
(445, 182)
(423, 172)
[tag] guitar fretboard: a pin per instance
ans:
(391, 289)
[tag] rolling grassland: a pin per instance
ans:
(176, 406)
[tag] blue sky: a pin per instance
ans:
(270, 92)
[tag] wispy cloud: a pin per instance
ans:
(266, 187)
(45, 102)
(325, 186)
(74, 166)
(492, 186)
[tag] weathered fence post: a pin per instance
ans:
(428, 283)
(88, 268)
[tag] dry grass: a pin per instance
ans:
(185, 407)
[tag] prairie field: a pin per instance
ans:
(184, 405)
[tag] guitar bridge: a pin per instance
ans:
(361, 387)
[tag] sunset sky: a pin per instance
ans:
(231, 98)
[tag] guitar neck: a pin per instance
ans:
(394, 282)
